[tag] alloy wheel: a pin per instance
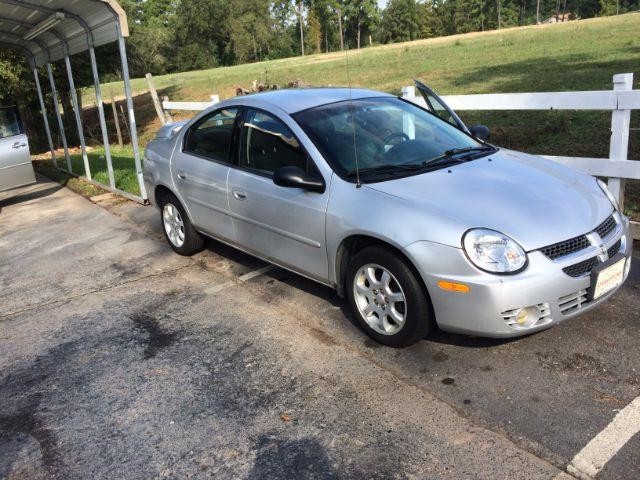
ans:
(380, 299)
(173, 225)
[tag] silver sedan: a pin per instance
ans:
(405, 211)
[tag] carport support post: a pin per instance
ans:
(103, 122)
(56, 108)
(43, 109)
(74, 100)
(132, 116)
(619, 147)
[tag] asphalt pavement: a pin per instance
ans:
(120, 359)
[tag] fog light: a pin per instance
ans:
(527, 317)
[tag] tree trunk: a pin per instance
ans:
(358, 34)
(538, 13)
(340, 29)
(499, 19)
(69, 118)
(255, 48)
(299, 9)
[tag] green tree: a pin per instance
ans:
(362, 17)
(400, 21)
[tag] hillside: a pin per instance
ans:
(579, 55)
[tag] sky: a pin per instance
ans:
(382, 3)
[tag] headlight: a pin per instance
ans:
(609, 195)
(493, 252)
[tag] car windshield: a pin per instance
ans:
(389, 135)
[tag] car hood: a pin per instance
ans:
(535, 201)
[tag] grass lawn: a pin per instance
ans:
(121, 159)
(580, 55)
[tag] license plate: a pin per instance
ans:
(609, 278)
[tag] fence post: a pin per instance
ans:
(116, 120)
(156, 99)
(619, 147)
(408, 92)
(167, 112)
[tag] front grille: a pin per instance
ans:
(606, 227)
(585, 267)
(615, 248)
(573, 245)
(582, 268)
(567, 247)
(572, 303)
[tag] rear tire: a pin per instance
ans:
(387, 297)
(177, 228)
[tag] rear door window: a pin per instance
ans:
(10, 125)
(212, 136)
(268, 144)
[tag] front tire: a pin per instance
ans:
(387, 298)
(177, 228)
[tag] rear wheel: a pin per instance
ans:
(388, 298)
(177, 228)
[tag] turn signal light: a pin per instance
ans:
(454, 287)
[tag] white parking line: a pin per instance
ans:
(256, 273)
(242, 278)
(595, 455)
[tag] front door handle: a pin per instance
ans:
(19, 145)
(239, 194)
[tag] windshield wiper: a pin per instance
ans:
(384, 169)
(450, 155)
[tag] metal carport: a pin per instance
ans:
(48, 31)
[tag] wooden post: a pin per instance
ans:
(619, 147)
(167, 112)
(124, 118)
(116, 121)
(156, 99)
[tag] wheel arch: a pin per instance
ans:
(162, 189)
(354, 243)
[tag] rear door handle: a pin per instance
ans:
(19, 145)
(239, 194)
(182, 176)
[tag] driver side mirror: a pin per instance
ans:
(480, 132)
(295, 177)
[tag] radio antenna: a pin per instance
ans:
(353, 121)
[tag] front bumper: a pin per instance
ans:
(485, 310)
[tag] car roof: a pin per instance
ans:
(298, 99)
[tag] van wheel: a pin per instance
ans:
(177, 228)
(387, 298)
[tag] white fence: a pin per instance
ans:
(170, 106)
(620, 101)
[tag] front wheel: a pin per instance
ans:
(177, 228)
(387, 298)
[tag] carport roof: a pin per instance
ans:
(59, 26)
